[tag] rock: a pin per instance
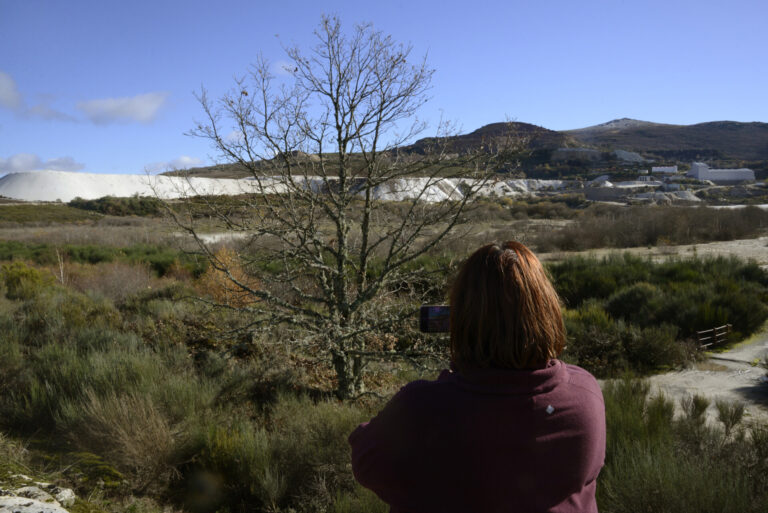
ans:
(25, 505)
(65, 496)
(39, 491)
(33, 492)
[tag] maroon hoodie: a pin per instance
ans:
(489, 440)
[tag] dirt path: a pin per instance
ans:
(731, 375)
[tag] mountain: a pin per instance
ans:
(720, 140)
(716, 139)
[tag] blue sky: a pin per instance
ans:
(107, 86)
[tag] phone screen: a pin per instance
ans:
(434, 318)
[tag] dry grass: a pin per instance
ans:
(113, 280)
(129, 232)
(131, 430)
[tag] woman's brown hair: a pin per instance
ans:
(504, 311)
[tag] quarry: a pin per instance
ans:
(63, 186)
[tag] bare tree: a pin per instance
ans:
(340, 208)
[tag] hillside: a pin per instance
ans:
(721, 140)
(716, 139)
(533, 136)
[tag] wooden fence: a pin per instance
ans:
(713, 336)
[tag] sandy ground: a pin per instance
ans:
(748, 249)
(731, 375)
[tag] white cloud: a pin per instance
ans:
(43, 110)
(10, 97)
(142, 108)
(22, 162)
(183, 162)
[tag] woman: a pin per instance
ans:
(510, 427)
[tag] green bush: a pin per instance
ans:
(58, 314)
(22, 281)
(608, 347)
(692, 294)
(131, 206)
(636, 303)
(161, 259)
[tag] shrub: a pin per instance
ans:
(729, 413)
(594, 341)
(636, 303)
(649, 226)
(131, 206)
(57, 314)
(216, 284)
(22, 281)
(692, 295)
(129, 429)
(298, 459)
(654, 463)
(607, 347)
(161, 259)
(115, 281)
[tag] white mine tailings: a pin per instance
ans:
(65, 186)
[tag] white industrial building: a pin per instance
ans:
(666, 170)
(701, 171)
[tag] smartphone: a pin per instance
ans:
(434, 318)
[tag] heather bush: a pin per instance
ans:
(57, 314)
(295, 459)
(729, 414)
(12, 361)
(635, 303)
(607, 347)
(692, 294)
(631, 313)
(655, 462)
(163, 260)
(129, 429)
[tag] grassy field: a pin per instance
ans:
(44, 213)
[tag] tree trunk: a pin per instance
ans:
(349, 374)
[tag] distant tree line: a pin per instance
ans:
(109, 205)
